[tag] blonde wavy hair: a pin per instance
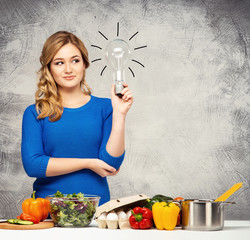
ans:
(48, 99)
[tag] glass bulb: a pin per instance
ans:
(117, 54)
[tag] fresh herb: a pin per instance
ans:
(58, 194)
(72, 209)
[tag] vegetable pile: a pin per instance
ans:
(72, 209)
(160, 211)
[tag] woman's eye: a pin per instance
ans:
(76, 60)
(59, 63)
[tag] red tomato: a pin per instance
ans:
(178, 199)
(27, 217)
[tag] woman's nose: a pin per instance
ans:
(68, 68)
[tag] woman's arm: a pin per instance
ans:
(116, 143)
(60, 166)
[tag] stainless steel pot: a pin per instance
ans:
(203, 215)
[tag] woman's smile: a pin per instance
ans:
(69, 77)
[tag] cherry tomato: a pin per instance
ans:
(178, 199)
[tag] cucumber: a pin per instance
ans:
(162, 197)
(156, 198)
(19, 221)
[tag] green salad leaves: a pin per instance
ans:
(72, 209)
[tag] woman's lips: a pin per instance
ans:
(69, 77)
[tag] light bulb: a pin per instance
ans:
(117, 53)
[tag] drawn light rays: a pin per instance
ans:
(117, 35)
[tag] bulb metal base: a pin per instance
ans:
(118, 89)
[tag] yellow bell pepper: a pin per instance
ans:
(165, 215)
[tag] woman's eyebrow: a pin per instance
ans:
(75, 56)
(56, 59)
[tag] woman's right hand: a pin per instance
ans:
(101, 168)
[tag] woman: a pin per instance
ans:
(72, 140)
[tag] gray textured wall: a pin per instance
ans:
(188, 131)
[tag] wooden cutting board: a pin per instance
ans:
(41, 225)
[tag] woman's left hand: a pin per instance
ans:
(121, 105)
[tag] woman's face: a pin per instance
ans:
(67, 67)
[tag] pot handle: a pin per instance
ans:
(226, 203)
(222, 204)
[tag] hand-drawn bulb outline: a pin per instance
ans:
(117, 35)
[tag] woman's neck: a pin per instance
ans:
(73, 97)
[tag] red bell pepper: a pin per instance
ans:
(141, 218)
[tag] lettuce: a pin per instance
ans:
(72, 210)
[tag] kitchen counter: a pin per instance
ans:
(239, 230)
